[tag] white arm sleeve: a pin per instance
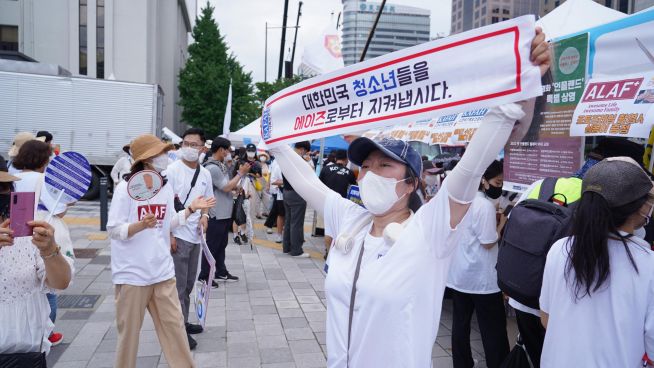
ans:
(488, 141)
(302, 177)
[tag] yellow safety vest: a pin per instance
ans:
(569, 187)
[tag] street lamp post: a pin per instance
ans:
(265, 64)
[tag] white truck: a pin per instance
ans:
(91, 116)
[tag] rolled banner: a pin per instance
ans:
(480, 68)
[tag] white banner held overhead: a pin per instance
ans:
(484, 67)
(616, 106)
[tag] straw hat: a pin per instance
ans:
(147, 146)
(20, 139)
(5, 177)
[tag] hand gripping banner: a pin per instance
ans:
(480, 68)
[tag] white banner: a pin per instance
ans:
(484, 67)
(616, 106)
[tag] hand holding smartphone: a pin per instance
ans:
(21, 211)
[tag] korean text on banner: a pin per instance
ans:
(546, 149)
(616, 106)
(484, 67)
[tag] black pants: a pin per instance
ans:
(532, 333)
(295, 208)
(271, 220)
(492, 325)
(217, 236)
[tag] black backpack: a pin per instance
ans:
(533, 227)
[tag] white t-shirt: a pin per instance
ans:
(179, 178)
(473, 266)
(143, 259)
(275, 175)
(121, 167)
(399, 295)
(613, 327)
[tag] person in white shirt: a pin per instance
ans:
(597, 299)
(189, 179)
(387, 269)
(473, 279)
(122, 166)
(276, 215)
(141, 264)
(16, 144)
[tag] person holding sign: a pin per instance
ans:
(389, 263)
(141, 217)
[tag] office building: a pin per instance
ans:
(399, 27)
(470, 14)
(132, 40)
(625, 6)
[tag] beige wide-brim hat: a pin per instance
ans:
(147, 146)
(19, 140)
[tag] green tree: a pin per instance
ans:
(204, 81)
(267, 89)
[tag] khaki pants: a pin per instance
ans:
(163, 304)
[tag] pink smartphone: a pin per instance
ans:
(21, 211)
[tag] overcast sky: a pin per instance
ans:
(242, 23)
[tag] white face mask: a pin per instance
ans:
(189, 154)
(228, 157)
(378, 193)
(250, 154)
(262, 159)
(160, 163)
(431, 179)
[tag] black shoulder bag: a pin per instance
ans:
(179, 205)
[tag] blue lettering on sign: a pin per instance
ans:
(354, 195)
(474, 113)
(447, 118)
(266, 124)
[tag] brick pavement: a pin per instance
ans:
(273, 317)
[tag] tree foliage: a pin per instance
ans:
(204, 81)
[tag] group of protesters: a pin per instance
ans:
(422, 228)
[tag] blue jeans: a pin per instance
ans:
(52, 299)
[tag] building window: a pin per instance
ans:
(100, 39)
(505, 11)
(83, 67)
(483, 12)
(8, 38)
(496, 10)
(557, 3)
(495, 20)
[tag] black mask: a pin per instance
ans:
(5, 199)
(493, 192)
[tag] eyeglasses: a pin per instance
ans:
(191, 144)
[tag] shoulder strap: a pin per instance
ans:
(352, 297)
(547, 189)
(195, 179)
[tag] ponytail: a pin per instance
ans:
(592, 225)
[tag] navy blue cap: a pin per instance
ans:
(398, 150)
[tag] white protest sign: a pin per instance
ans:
(202, 291)
(616, 106)
(144, 185)
(484, 67)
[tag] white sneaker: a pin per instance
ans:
(269, 230)
(278, 238)
(303, 255)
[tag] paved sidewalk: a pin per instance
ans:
(273, 317)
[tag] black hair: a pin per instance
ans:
(306, 145)
(494, 169)
(331, 157)
(594, 221)
(414, 199)
(617, 146)
(192, 131)
(32, 155)
(340, 154)
(46, 134)
(220, 142)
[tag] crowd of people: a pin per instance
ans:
(425, 231)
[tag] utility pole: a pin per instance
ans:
(372, 31)
(281, 47)
(297, 25)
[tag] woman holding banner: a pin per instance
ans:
(395, 253)
(141, 265)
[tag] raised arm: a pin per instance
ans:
(301, 176)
